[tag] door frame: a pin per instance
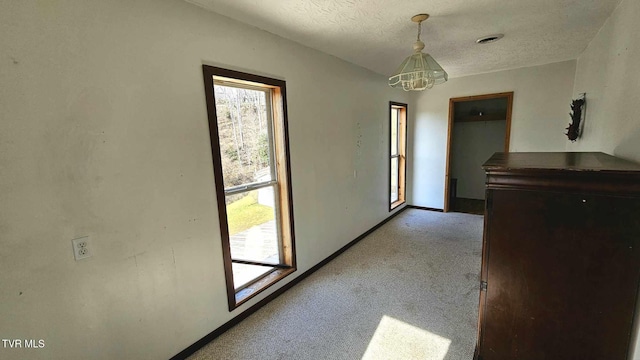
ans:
(507, 133)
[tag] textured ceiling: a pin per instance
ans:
(378, 34)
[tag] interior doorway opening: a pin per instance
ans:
(479, 126)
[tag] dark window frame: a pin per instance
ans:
(237, 297)
(402, 154)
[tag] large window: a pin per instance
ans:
(397, 153)
(249, 142)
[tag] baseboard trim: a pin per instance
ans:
(243, 315)
(424, 208)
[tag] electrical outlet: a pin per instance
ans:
(81, 248)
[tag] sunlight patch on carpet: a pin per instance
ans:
(395, 339)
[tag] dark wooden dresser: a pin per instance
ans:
(561, 257)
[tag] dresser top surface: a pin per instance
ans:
(560, 161)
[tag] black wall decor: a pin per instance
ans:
(577, 107)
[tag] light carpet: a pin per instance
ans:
(407, 291)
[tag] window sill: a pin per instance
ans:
(257, 287)
(396, 204)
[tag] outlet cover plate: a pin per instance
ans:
(81, 248)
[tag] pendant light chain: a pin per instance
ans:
(419, 29)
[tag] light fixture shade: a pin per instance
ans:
(418, 72)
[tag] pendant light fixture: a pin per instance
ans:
(419, 71)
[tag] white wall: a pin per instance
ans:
(473, 142)
(608, 72)
(103, 132)
(542, 95)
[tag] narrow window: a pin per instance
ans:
(249, 143)
(397, 153)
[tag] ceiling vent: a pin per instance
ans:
(489, 39)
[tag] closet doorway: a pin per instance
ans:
(479, 126)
